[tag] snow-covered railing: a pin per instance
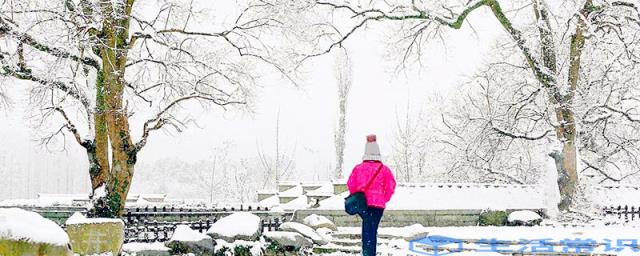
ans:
(187, 214)
(625, 212)
(161, 231)
(156, 224)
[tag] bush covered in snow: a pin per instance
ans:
(237, 226)
(524, 218)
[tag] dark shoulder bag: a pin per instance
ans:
(357, 202)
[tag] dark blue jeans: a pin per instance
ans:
(370, 220)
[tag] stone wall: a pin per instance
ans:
(24, 248)
(399, 218)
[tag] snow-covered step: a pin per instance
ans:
(356, 242)
(334, 248)
(358, 236)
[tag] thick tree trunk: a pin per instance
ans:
(99, 154)
(567, 163)
(563, 103)
(566, 131)
(112, 123)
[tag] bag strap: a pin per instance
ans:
(374, 177)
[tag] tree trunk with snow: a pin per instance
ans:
(100, 49)
(421, 20)
(343, 78)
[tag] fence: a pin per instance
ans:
(185, 214)
(157, 224)
(154, 231)
(625, 213)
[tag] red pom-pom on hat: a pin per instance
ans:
(371, 138)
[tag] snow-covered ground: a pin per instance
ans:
(467, 241)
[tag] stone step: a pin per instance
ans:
(333, 248)
(358, 236)
(356, 242)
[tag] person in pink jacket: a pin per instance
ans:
(378, 193)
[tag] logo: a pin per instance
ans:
(435, 245)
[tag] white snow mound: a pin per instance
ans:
(318, 221)
(523, 216)
(184, 233)
(77, 218)
(236, 224)
(139, 247)
(18, 224)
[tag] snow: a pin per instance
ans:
(524, 216)
(513, 238)
(281, 234)
(323, 190)
(451, 196)
(185, 234)
(270, 201)
(48, 200)
(277, 209)
(299, 203)
(597, 233)
(316, 221)
(303, 230)
(100, 192)
(236, 224)
(550, 188)
(614, 195)
(138, 247)
(292, 192)
(18, 224)
(77, 218)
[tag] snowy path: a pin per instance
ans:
(606, 240)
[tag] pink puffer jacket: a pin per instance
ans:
(381, 188)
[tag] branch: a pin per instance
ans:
(72, 128)
(607, 177)
(7, 29)
(9, 71)
(625, 114)
(514, 179)
(511, 135)
(456, 23)
(159, 121)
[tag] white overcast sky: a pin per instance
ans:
(307, 114)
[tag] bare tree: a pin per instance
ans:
(410, 147)
(479, 125)
(343, 77)
(95, 64)
(551, 41)
(280, 164)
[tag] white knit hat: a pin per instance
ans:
(371, 149)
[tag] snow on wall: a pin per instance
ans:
(614, 195)
(295, 191)
(296, 204)
(77, 218)
(442, 196)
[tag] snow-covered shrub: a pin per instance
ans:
(524, 218)
(187, 240)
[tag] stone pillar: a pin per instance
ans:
(96, 236)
